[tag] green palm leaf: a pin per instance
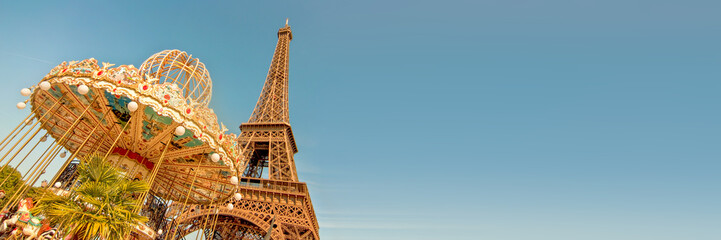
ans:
(100, 207)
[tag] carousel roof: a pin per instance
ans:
(140, 113)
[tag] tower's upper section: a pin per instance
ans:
(272, 106)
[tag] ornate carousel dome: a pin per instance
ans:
(180, 68)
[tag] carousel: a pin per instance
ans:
(153, 124)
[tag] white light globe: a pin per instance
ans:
(180, 130)
(44, 85)
(20, 105)
(237, 196)
(215, 157)
(132, 106)
(160, 231)
(83, 89)
(230, 206)
(25, 92)
(234, 180)
(58, 184)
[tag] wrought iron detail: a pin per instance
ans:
(68, 175)
(155, 210)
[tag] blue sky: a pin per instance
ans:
(499, 120)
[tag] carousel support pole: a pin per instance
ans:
(111, 146)
(31, 167)
(47, 159)
(36, 175)
(44, 167)
(26, 133)
(70, 159)
(217, 215)
(20, 149)
(116, 140)
(99, 143)
(187, 196)
(33, 113)
(33, 177)
(205, 222)
(67, 162)
(56, 148)
(23, 123)
(151, 178)
(214, 217)
(16, 153)
(31, 150)
(28, 175)
(102, 138)
(215, 220)
(117, 164)
(35, 163)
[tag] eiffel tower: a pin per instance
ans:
(276, 207)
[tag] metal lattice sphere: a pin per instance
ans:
(178, 67)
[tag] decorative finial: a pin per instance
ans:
(286, 21)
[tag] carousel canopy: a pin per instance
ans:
(153, 119)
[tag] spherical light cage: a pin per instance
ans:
(175, 66)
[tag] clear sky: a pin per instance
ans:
(498, 120)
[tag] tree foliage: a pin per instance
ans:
(12, 183)
(102, 206)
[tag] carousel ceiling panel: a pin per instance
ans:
(118, 107)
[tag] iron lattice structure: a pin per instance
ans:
(278, 207)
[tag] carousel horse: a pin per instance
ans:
(25, 223)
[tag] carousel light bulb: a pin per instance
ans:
(44, 85)
(25, 92)
(238, 196)
(62, 154)
(20, 105)
(234, 180)
(83, 89)
(230, 206)
(160, 231)
(58, 184)
(44, 138)
(215, 157)
(132, 106)
(180, 130)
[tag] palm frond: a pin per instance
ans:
(101, 206)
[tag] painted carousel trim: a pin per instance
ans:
(147, 96)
